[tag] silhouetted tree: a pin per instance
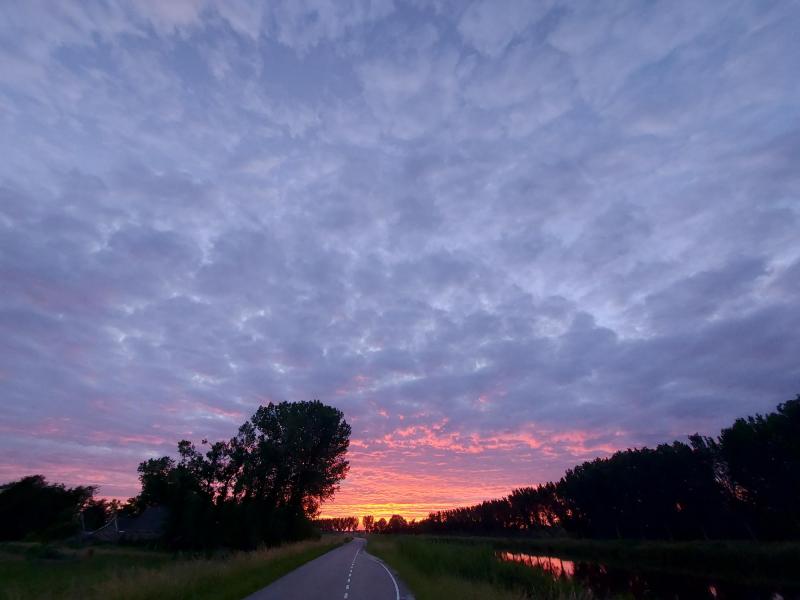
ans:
(155, 476)
(263, 485)
(97, 512)
(745, 482)
(534, 508)
(396, 524)
(379, 526)
(31, 507)
(368, 521)
(337, 524)
(666, 492)
(757, 462)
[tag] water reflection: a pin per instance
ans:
(552, 564)
(606, 581)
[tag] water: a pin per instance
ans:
(604, 581)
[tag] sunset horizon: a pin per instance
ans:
(433, 471)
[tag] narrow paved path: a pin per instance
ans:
(346, 573)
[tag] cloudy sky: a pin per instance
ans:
(502, 237)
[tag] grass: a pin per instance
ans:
(60, 573)
(467, 567)
(436, 570)
(735, 560)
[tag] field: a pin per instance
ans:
(127, 573)
(464, 567)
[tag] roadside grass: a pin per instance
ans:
(61, 573)
(32, 570)
(470, 571)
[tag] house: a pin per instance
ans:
(149, 525)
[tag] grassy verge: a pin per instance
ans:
(131, 574)
(467, 571)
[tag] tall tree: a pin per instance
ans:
(396, 524)
(760, 460)
(379, 526)
(367, 521)
(263, 485)
(301, 449)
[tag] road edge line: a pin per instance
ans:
(394, 581)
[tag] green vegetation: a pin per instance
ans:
(125, 573)
(436, 570)
(735, 560)
(468, 567)
(732, 560)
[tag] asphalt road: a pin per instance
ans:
(346, 573)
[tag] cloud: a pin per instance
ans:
(501, 239)
(303, 25)
(491, 26)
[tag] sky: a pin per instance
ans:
(502, 237)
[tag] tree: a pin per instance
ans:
(155, 477)
(368, 521)
(97, 512)
(293, 454)
(396, 524)
(32, 507)
(667, 492)
(758, 461)
(533, 508)
(337, 524)
(262, 486)
(745, 482)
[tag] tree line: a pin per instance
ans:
(262, 486)
(337, 524)
(744, 483)
(368, 524)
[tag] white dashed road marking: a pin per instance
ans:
(350, 574)
(388, 572)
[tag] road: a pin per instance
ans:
(346, 573)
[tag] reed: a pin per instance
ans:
(435, 570)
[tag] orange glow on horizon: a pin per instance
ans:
(418, 469)
(407, 511)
